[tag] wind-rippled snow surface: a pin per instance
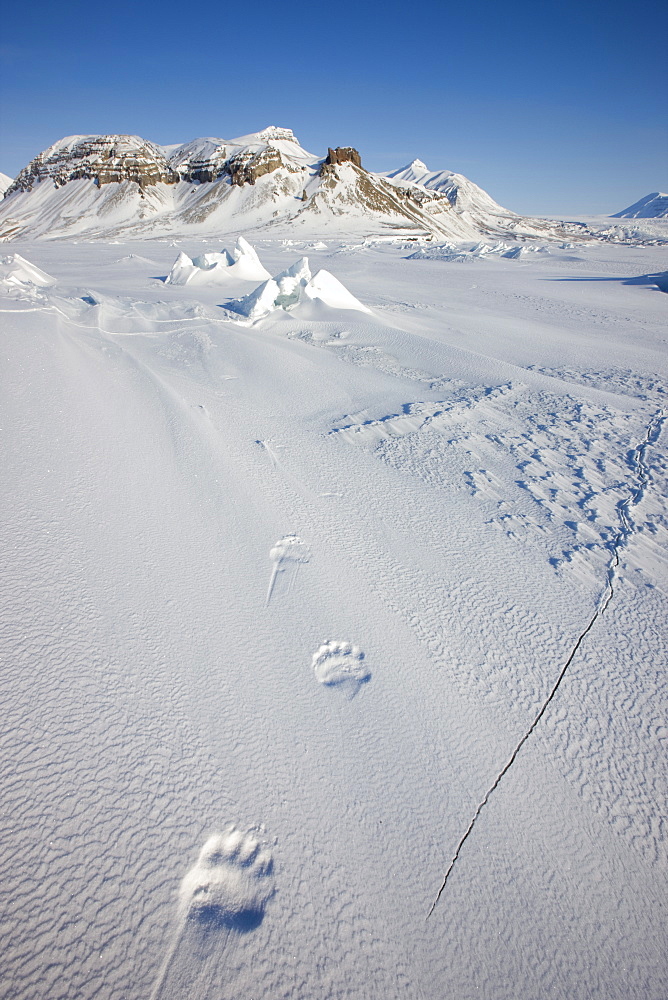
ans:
(281, 602)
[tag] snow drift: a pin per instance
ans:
(215, 534)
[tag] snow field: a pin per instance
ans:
(438, 484)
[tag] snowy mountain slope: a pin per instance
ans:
(114, 186)
(652, 206)
(474, 206)
(463, 194)
(103, 159)
(249, 155)
(5, 182)
(347, 192)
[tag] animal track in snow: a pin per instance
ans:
(341, 664)
(231, 881)
(289, 551)
(226, 889)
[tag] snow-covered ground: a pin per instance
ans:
(301, 605)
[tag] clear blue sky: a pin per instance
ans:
(553, 106)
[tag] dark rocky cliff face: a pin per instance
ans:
(243, 167)
(203, 171)
(246, 167)
(109, 159)
(343, 154)
(104, 159)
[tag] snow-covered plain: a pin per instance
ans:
(283, 599)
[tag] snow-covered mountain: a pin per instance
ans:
(652, 206)
(104, 185)
(473, 205)
(463, 194)
(5, 182)
(108, 185)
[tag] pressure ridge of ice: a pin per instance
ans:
(18, 272)
(296, 287)
(215, 268)
(448, 251)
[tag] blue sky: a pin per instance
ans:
(553, 107)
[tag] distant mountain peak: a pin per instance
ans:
(462, 193)
(274, 133)
(652, 206)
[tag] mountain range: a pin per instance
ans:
(108, 185)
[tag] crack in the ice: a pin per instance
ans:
(637, 461)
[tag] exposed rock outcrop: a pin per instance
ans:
(247, 166)
(343, 154)
(347, 185)
(104, 159)
(243, 160)
(422, 196)
(206, 170)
